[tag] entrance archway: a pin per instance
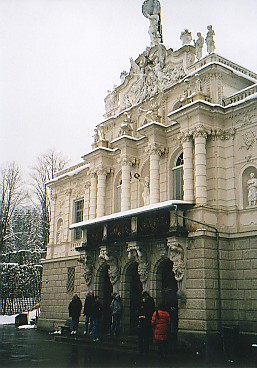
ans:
(134, 291)
(105, 290)
(167, 286)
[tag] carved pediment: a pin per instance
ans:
(149, 74)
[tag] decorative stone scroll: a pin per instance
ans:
(176, 255)
(87, 263)
(112, 261)
(134, 252)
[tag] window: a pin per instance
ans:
(79, 212)
(70, 279)
(178, 192)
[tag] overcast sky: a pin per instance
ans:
(59, 58)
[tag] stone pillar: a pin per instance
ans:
(188, 167)
(155, 152)
(200, 136)
(101, 192)
(93, 195)
(125, 187)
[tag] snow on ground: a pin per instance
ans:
(10, 320)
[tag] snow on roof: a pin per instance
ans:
(136, 211)
(69, 173)
(240, 74)
(125, 136)
(151, 123)
(251, 97)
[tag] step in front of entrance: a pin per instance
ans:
(128, 343)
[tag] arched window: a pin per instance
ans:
(178, 192)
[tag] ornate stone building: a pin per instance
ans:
(167, 197)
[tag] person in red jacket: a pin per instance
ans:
(161, 322)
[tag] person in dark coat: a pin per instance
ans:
(97, 310)
(74, 308)
(87, 312)
(161, 324)
(145, 312)
(116, 314)
(170, 300)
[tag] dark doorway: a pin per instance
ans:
(168, 284)
(105, 295)
(135, 293)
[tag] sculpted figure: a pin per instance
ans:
(199, 46)
(151, 9)
(146, 191)
(252, 190)
(210, 40)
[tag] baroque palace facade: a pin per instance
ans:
(167, 197)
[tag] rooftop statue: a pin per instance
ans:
(151, 9)
(210, 40)
(199, 46)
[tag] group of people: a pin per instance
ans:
(158, 323)
(93, 310)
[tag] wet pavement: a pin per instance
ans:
(32, 348)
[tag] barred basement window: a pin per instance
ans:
(70, 279)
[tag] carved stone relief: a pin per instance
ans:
(139, 255)
(87, 263)
(176, 255)
(109, 258)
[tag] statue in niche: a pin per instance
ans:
(146, 191)
(198, 84)
(209, 40)
(125, 128)
(59, 234)
(151, 9)
(199, 46)
(252, 190)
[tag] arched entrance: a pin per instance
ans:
(105, 294)
(134, 289)
(167, 288)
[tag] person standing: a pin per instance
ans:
(97, 310)
(116, 314)
(74, 308)
(87, 312)
(160, 322)
(145, 313)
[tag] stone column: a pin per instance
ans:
(125, 187)
(93, 195)
(101, 191)
(155, 152)
(188, 167)
(200, 136)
